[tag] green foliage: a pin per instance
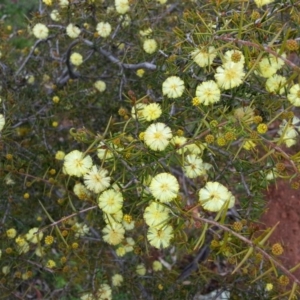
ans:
(188, 195)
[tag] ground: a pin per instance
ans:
(283, 206)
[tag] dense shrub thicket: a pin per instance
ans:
(137, 138)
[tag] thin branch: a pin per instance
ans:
(115, 60)
(28, 56)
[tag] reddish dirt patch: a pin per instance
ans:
(283, 206)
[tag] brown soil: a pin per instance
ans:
(283, 207)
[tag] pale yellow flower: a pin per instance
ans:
(269, 287)
(75, 164)
(160, 237)
(140, 72)
(116, 217)
(80, 229)
(51, 264)
(54, 15)
(152, 111)
(208, 92)
(194, 166)
(178, 142)
(48, 2)
(173, 87)
(117, 280)
(76, 59)
(157, 266)
(156, 214)
(100, 86)
(81, 191)
(97, 179)
(103, 152)
(229, 75)
(157, 136)
(213, 196)
(234, 56)
(103, 29)
(63, 3)
(40, 31)
(141, 269)
(289, 131)
(122, 6)
(113, 234)
(145, 32)
(150, 46)
(128, 244)
(110, 201)
(164, 187)
(204, 56)
(11, 233)
(2, 122)
(33, 236)
(137, 111)
(60, 155)
(194, 148)
(5, 270)
(265, 68)
(121, 251)
(73, 31)
(276, 84)
(293, 95)
(261, 3)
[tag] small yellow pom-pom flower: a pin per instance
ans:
(209, 139)
(230, 136)
(196, 101)
(127, 218)
(49, 239)
(160, 287)
(52, 171)
(26, 196)
(295, 185)
(75, 245)
(50, 264)
(63, 260)
(262, 128)
(292, 45)
(277, 249)
(257, 119)
(122, 111)
(141, 136)
(11, 233)
(64, 233)
(55, 99)
(213, 123)
(214, 244)
(60, 155)
(253, 135)
(140, 72)
(269, 287)
(221, 141)
(280, 167)
(237, 226)
(9, 156)
(283, 280)
(180, 132)
(255, 15)
(54, 124)
(8, 250)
